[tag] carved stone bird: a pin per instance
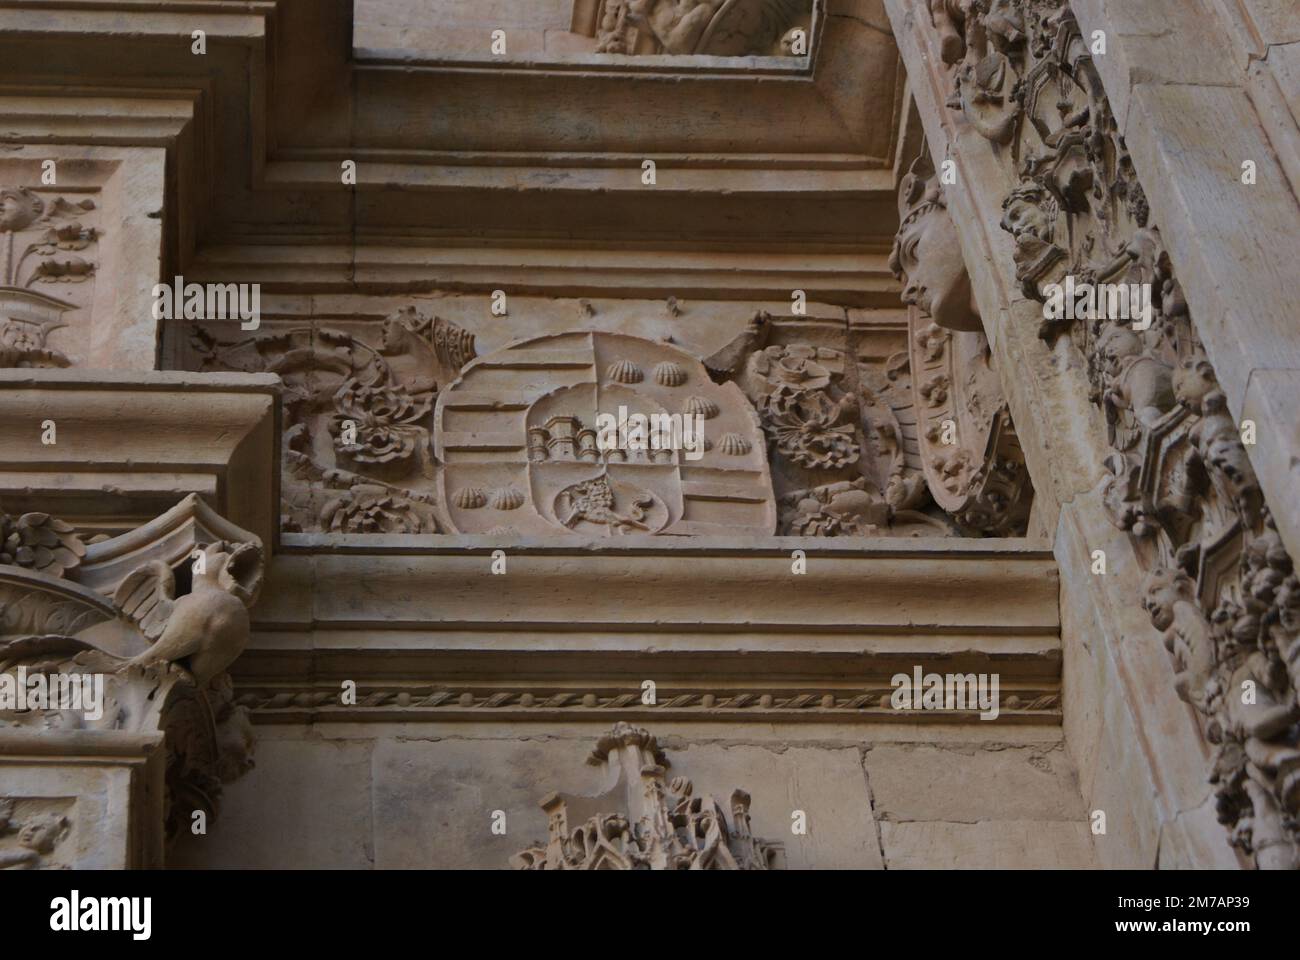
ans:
(205, 630)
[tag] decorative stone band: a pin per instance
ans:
(1027, 704)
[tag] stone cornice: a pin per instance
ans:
(269, 145)
(457, 642)
(126, 444)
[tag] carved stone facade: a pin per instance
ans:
(838, 389)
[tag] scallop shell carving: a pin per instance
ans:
(734, 445)
(669, 374)
(701, 407)
(507, 498)
(625, 371)
(469, 498)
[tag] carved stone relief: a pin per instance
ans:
(157, 614)
(641, 822)
(48, 246)
(357, 415)
(720, 28)
(518, 436)
(1220, 585)
(973, 465)
(32, 831)
(808, 426)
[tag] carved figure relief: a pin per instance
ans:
(31, 831)
(641, 822)
(159, 613)
(719, 28)
(1178, 477)
(971, 456)
(980, 38)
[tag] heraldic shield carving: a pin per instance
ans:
(600, 434)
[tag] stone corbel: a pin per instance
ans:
(117, 726)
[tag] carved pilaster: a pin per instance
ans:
(1220, 584)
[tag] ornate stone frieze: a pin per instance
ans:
(1220, 585)
(644, 822)
(152, 619)
(799, 426)
(357, 415)
(719, 28)
(970, 453)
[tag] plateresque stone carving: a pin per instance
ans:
(47, 270)
(1221, 586)
(357, 416)
(110, 608)
(517, 435)
(974, 467)
(642, 823)
(720, 28)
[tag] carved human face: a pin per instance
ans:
(15, 214)
(40, 834)
(1025, 220)
(937, 282)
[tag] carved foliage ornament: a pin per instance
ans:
(358, 407)
(1220, 586)
(45, 242)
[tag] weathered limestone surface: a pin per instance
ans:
(486, 639)
(408, 797)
